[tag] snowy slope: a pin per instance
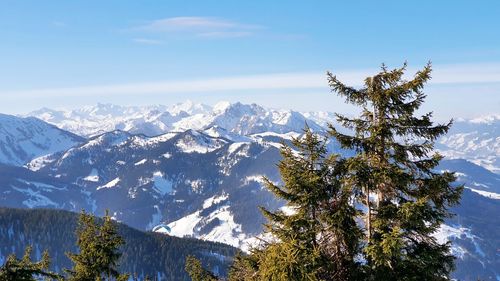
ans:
(22, 139)
(146, 181)
(22, 188)
(476, 140)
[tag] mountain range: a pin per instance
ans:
(196, 170)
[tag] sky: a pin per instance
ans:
(66, 54)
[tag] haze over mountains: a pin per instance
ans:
(197, 170)
(476, 139)
(238, 118)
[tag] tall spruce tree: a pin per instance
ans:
(25, 269)
(393, 176)
(99, 254)
(317, 238)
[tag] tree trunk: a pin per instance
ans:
(368, 215)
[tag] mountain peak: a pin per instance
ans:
(486, 119)
(189, 107)
(221, 106)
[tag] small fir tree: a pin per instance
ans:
(25, 269)
(197, 272)
(99, 250)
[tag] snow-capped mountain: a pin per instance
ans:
(237, 118)
(101, 118)
(474, 236)
(477, 140)
(145, 181)
(22, 188)
(22, 139)
(208, 184)
(194, 170)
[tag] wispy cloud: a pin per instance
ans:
(59, 23)
(147, 41)
(270, 81)
(177, 23)
(224, 34)
(449, 74)
(204, 27)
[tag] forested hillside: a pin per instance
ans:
(144, 253)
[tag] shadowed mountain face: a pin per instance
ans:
(474, 234)
(22, 139)
(205, 180)
(21, 187)
(148, 180)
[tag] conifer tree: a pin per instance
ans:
(25, 269)
(99, 250)
(197, 272)
(393, 176)
(317, 238)
(244, 267)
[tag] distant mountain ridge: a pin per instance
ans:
(477, 140)
(154, 120)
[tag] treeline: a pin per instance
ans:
(370, 216)
(143, 254)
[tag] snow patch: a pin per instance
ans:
(162, 185)
(40, 162)
(254, 178)
(110, 184)
(227, 231)
(35, 198)
(140, 162)
(214, 200)
(446, 233)
(491, 195)
(196, 185)
(93, 176)
(197, 144)
(185, 226)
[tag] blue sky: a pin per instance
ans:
(275, 53)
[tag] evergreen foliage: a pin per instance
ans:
(395, 164)
(389, 189)
(244, 267)
(196, 270)
(144, 253)
(25, 269)
(99, 250)
(317, 237)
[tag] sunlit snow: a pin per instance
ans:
(110, 184)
